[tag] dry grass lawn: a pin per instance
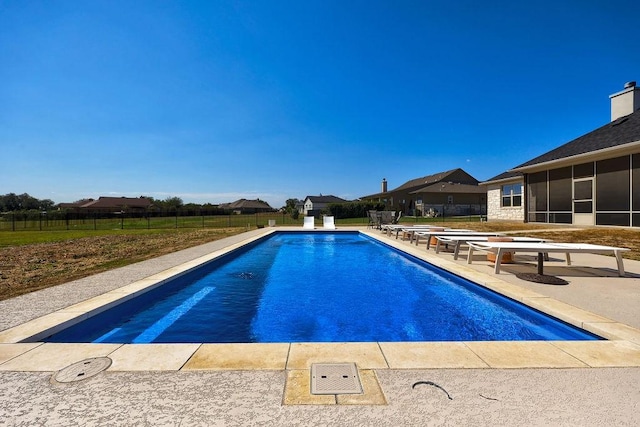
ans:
(27, 268)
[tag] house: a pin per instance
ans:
(109, 205)
(313, 205)
(452, 192)
(591, 180)
(244, 206)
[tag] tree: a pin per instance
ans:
(28, 202)
(173, 203)
(290, 205)
(24, 202)
(46, 204)
(9, 202)
(291, 209)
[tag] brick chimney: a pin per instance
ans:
(625, 102)
(384, 185)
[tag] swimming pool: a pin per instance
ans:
(318, 287)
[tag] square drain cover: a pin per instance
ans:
(335, 378)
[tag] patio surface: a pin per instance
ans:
(510, 383)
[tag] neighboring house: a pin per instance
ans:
(109, 204)
(505, 197)
(454, 191)
(594, 179)
(313, 205)
(244, 206)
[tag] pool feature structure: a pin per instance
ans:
(317, 287)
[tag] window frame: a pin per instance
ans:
(514, 198)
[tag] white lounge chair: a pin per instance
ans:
(308, 223)
(544, 248)
(457, 241)
(328, 222)
(396, 228)
(417, 235)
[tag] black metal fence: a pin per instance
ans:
(451, 210)
(57, 220)
(154, 219)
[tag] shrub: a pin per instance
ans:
(353, 209)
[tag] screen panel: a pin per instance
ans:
(635, 182)
(560, 218)
(584, 170)
(560, 189)
(621, 219)
(537, 194)
(612, 184)
(583, 190)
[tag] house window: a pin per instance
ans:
(450, 200)
(511, 195)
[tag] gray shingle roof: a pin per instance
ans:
(325, 199)
(503, 176)
(426, 180)
(449, 187)
(418, 183)
(118, 202)
(625, 130)
(247, 204)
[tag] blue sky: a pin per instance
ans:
(212, 101)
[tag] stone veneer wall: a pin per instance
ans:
(496, 212)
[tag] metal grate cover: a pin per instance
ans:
(82, 370)
(335, 378)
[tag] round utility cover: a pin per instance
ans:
(542, 278)
(82, 370)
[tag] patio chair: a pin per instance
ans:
(375, 219)
(328, 223)
(456, 242)
(308, 223)
(387, 217)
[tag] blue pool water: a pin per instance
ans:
(318, 287)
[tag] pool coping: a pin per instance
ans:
(622, 348)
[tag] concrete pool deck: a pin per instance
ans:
(571, 383)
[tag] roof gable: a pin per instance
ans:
(118, 202)
(458, 176)
(451, 188)
(325, 199)
(454, 175)
(508, 175)
(247, 204)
